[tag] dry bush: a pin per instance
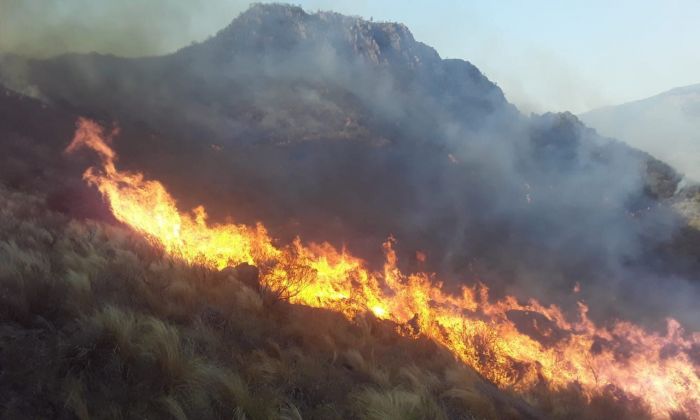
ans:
(484, 353)
(282, 280)
(277, 288)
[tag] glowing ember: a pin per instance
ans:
(483, 334)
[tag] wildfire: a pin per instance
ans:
(481, 333)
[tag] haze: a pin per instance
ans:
(547, 56)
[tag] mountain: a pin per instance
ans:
(346, 130)
(335, 129)
(666, 125)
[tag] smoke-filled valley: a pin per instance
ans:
(345, 131)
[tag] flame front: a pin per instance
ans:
(657, 367)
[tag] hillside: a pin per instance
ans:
(98, 323)
(367, 144)
(350, 131)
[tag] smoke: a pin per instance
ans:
(127, 28)
(349, 131)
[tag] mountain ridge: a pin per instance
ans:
(652, 123)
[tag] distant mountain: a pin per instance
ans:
(341, 129)
(666, 125)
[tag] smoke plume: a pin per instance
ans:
(126, 28)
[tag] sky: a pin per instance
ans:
(551, 55)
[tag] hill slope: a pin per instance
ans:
(337, 129)
(97, 323)
(346, 130)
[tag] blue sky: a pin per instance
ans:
(546, 55)
(557, 55)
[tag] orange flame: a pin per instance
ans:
(481, 333)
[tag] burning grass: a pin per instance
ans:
(98, 323)
(520, 347)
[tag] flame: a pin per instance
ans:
(557, 351)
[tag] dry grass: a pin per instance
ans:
(97, 323)
(397, 404)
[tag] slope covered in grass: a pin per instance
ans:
(97, 323)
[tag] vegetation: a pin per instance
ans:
(95, 322)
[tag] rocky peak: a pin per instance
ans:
(292, 41)
(277, 26)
